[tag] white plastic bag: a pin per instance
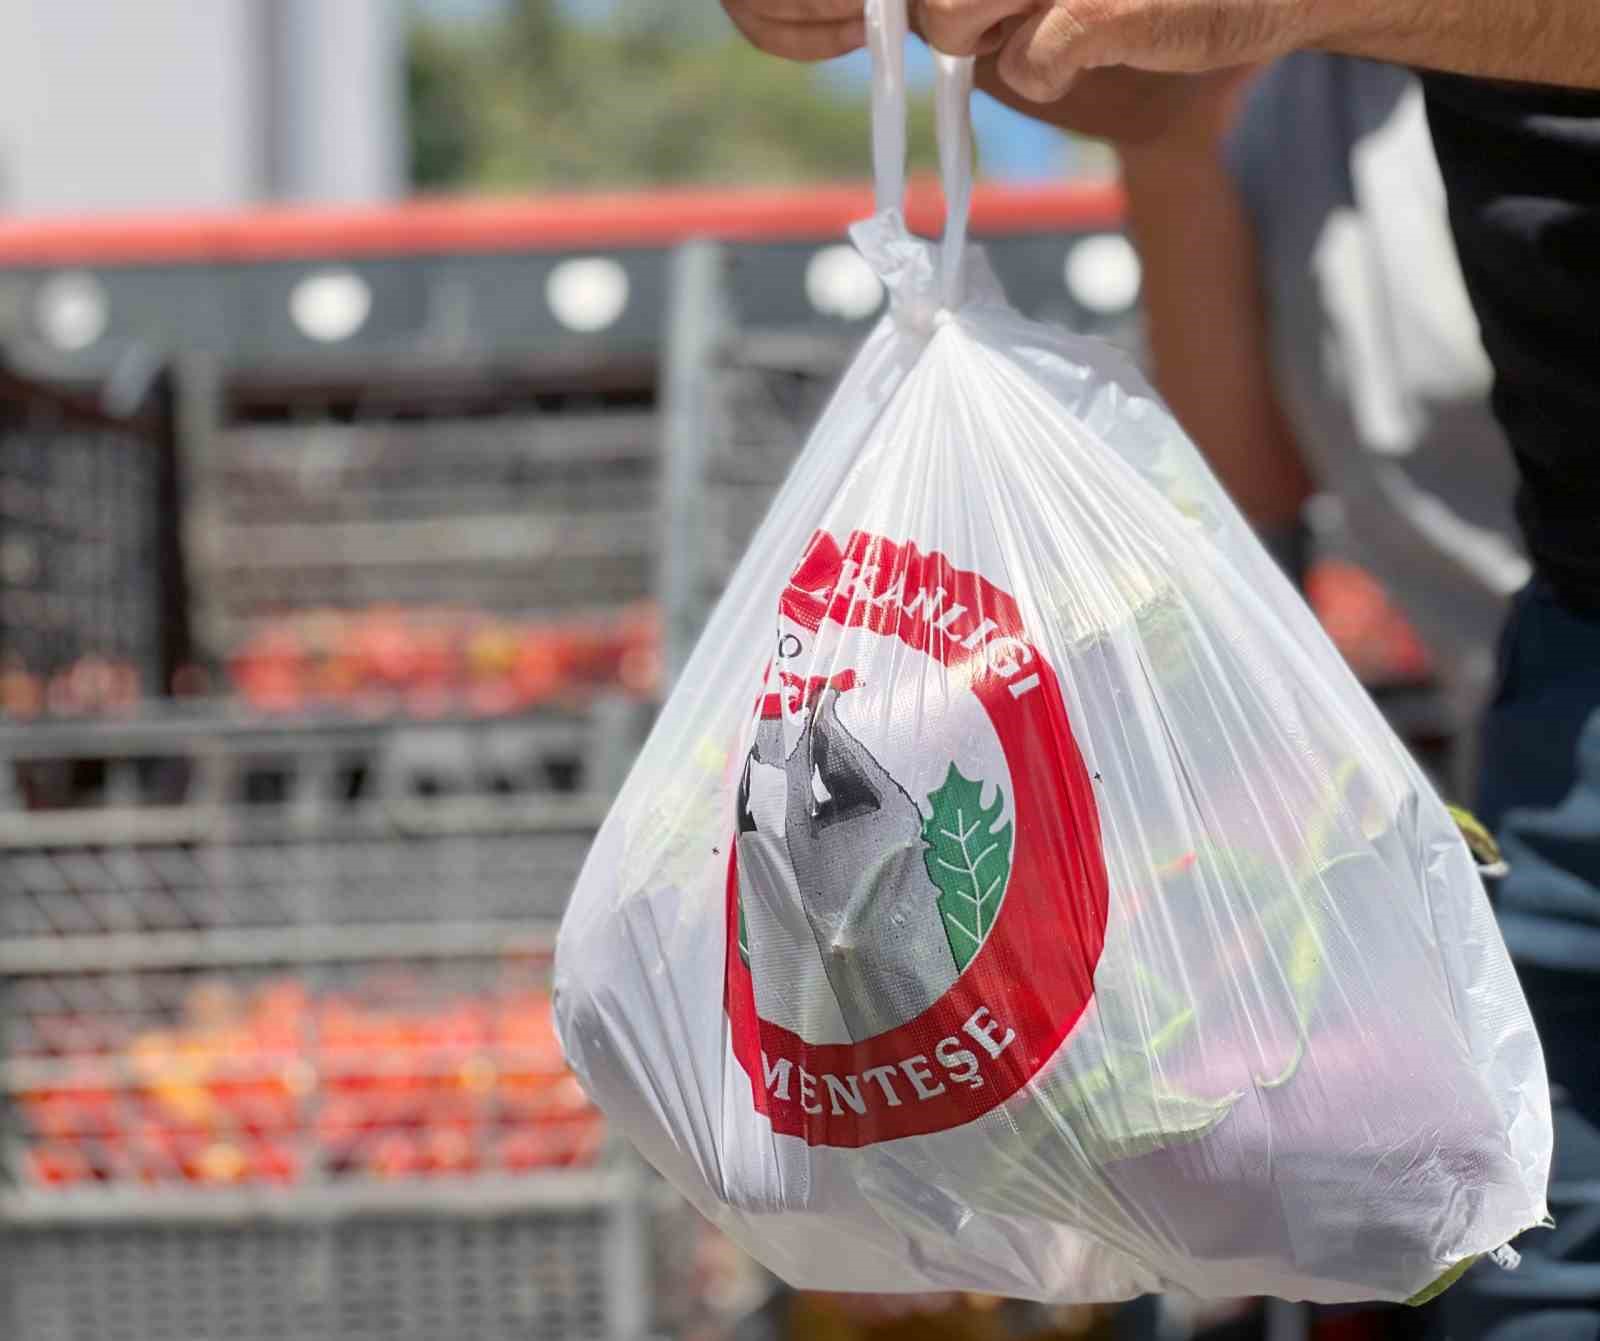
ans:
(1018, 894)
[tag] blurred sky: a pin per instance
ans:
(1010, 146)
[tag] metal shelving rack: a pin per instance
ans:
(146, 860)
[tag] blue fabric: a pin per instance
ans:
(1540, 791)
(1555, 1325)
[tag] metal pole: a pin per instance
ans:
(339, 110)
(697, 325)
(629, 1279)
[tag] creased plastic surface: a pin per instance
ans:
(1018, 894)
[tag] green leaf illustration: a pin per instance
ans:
(968, 856)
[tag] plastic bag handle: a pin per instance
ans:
(886, 40)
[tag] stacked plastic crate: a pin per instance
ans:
(88, 582)
(509, 498)
(278, 1052)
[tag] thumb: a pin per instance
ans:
(1045, 53)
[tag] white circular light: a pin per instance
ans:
(72, 310)
(840, 284)
(588, 294)
(331, 305)
(1103, 274)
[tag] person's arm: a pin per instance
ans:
(1206, 318)
(1041, 46)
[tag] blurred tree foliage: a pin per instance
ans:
(666, 95)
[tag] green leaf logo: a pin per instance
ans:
(968, 856)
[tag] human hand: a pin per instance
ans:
(1039, 49)
(1127, 104)
(1040, 46)
(1134, 109)
(801, 30)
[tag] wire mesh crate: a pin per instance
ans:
(90, 580)
(533, 492)
(431, 1270)
(278, 1055)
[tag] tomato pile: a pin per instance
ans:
(432, 662)
(426, 662)
(281, 1087)
(89, 685)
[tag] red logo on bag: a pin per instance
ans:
(944, 915)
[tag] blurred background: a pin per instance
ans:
(386, 391)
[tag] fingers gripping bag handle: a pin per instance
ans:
(887, 29)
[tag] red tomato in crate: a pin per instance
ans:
(467, 1024)
(272, 1161)
(114, 1160)
(532, 1146)
(451, 1150)
(57, 1166)
(437, 658)
(639, 671)
(338, 678)
(273, 688)
(51, 1114)
(536, 672)
(184, 1154)
(387, 648)
(285, 1003)
(99, 1104)
(21, 695)
(525, 1024)
(125, 689)
(87, 1105)
(270, 670)
(343, 1123)
(579, 1141)
(491, 652)
(155, 1154)
(526, 1150)
(477, 1076)
(394, 1155)
(218, 1162)
(257, 1099)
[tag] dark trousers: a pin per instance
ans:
(1540, 792)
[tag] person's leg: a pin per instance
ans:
(1541, 793)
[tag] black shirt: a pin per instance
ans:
(1522, 168)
